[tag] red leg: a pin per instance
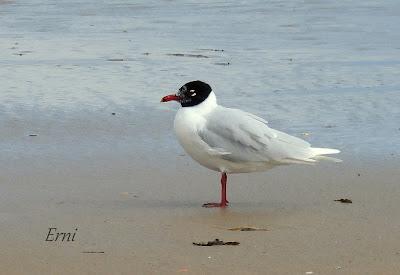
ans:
(224, 201)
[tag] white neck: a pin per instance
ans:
(207, 105)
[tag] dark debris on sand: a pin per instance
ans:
(188, 55)
(344, 200)
(223, 63)
(212, 50)
(247, 229)
(215, 242)
(115, 59)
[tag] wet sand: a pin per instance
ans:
(136, 203)
(142, 218)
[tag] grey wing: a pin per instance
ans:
(238, 136)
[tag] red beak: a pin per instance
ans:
(170, 98)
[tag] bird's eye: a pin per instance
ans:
(193, 94)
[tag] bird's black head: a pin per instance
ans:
(190, 94)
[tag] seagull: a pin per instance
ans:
(232, 141)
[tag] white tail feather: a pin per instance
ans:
(324, 151)
(320, 152)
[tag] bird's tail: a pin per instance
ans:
(319, 154)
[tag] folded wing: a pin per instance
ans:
(239, 136)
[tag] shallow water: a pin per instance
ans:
(328, 69)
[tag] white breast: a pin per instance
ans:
(188, 122)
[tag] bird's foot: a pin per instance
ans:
(215, 204)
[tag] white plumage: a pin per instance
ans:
(233, 141)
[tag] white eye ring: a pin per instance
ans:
(193, 94)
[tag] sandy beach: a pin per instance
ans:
(143, 219)
(140, 214)
(87, 148)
